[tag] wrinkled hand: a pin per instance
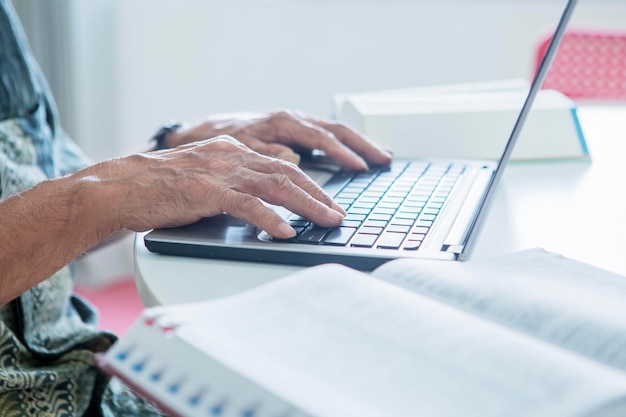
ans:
(284, 134)
(181, 185)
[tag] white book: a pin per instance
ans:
(471, 120)
(493, 86)
(530, 334)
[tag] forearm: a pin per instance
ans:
(45, 228)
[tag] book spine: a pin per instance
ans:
(183, 381)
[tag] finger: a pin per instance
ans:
(295, 130)
(274, 181)
(369, 150)
(260, 163)
(288, 128)
(271, 149)
(278, 189)
(277, 169)
(250, 209)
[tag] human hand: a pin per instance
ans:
(181, 185)
(55, 221)
(285, 134)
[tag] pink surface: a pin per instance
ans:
(118, 304)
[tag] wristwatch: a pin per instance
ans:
(160, 137)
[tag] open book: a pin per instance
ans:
(529, 334)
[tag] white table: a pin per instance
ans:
(575, 208)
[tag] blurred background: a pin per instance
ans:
(122, 68)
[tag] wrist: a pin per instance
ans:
(99, 195)
(93, 205)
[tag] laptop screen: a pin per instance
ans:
(519, 123)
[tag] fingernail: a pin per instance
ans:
(338, 208)
(286, 230)
(362, 162)
(337, 217)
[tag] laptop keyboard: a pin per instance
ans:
(390, 207)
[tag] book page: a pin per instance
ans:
(559, 300)
(336, 342)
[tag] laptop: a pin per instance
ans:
(419, 208)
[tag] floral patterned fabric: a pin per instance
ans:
(48, 336)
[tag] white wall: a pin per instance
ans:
(136, 64)
(139, 63)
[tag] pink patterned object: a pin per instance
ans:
(589, 65)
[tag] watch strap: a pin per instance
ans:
(160, 137)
